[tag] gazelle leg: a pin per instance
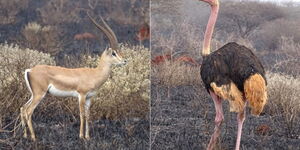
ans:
(218, 120)
(82, 114)
(28, 110)
(87, 117)
(23, 122)
(22, 115)
(241, 119)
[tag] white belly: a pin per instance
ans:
(57, 92)
(90, 94)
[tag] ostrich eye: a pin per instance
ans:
(113, 54)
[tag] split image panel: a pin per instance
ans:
(149, 74)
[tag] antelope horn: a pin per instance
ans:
(112, 33)
(107, 31)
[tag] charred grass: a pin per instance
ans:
(57, 128)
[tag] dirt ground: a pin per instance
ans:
(64, 134)
(185, 120)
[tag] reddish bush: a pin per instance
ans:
(187, 59)
(143, 33)
(263, 129)
(163, 58)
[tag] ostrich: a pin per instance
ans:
(231, 73)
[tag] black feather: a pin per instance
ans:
(232, 62)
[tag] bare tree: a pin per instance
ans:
(57, 11)
(9, 10)
(244, 18)
(271, 33)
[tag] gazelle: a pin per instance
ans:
(79, 82)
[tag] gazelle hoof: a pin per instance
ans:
(81, 136)
(87, 138)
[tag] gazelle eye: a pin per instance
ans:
(113, 53)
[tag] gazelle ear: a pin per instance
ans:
(109, 51)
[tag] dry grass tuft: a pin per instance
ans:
(287, 57)
(42, 38)
(176, 73)
(284, 95)
(13, 62)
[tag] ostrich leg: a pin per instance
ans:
(218, 120)
(240, 118)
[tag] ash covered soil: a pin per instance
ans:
(185, 120)
(63, 134)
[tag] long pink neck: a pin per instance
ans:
(210, 28)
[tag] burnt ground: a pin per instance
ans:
(185, 120)
(63, 134)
